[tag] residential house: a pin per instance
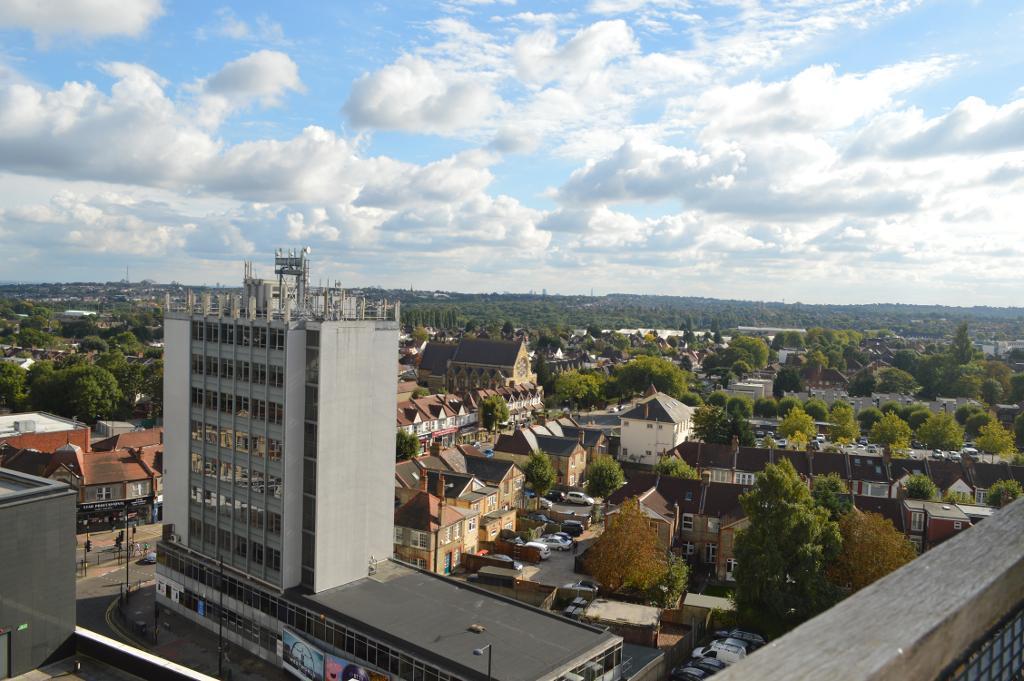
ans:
(593, 439)
(433, 534)
(654, 426)
(822, 378)
(523, 400)
(929, 523)
(441, 418)
(503, 475)
(567, 454)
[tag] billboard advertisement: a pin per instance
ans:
(301, 658)
(340, 669)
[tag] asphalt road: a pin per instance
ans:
(95, 592)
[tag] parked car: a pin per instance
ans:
(541, 547)
(557, 542)
(820, 437)
(754, 639)
(709, 664)
(723, 650)
(955, 456)
(555, 496)
(545, 504)
(540, 517)
(872, 449)
(582, 585)
(689, 673)
(781, 443)
(862, 440)
(579, 498)
(573, 528)
(148, 559)
(759, 433)
(514, 564)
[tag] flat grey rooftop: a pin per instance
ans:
(41, 422)
(428, 616)
(16, 487)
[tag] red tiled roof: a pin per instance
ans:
(136, 438)
(120, 465)
(425, 512)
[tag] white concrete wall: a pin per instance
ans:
(636, 439)
(294, 415)
(176, 424)
(356, 457)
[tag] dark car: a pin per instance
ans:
(709, 664)
(541, 517)
(573, 528)
(555, 496)
(689, 673)
(514, 564)
(754, 639)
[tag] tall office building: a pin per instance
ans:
(278, 422)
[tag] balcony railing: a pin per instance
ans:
(955, 613)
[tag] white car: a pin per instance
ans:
(545, 503)
(579, 498)
(542, 549)
(726, 650)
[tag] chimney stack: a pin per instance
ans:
(705, 478)
(440, 487)
(435, 447)
(424, 478)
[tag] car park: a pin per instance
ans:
(573, 528)
(556, 542)
(753, 640)
(579, 498)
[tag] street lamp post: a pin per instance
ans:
(126, 540)
(479, 652)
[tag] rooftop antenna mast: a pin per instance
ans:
(294, 264)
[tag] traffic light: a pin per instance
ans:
(88, 545)
(134, 530)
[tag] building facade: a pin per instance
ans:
(653, 427)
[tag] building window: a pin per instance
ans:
(957, 525)
(472, 524)
(710, 552)
(103, 493)
(687, 521)
(419, 540)
(744, 478)
(730, 568)
(720, 475)
(979, 496)
(688, 548)
(650, 425)
(447, 534)
(916, 521)
(399, 535)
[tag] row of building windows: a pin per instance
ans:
(238, 475)
(246, 512)
(243, 335)
(356, 645)
(242, 370)
(242, 547)
(257, 446)
(239, 405)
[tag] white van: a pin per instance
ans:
(543, 549)
(727, 650)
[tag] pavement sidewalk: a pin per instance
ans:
(103, 546)
(183, 641)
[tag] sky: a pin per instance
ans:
(823, 151)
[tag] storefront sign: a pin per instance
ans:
(113, 505)
(444, 431)
(340, 669)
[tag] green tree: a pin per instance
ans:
(544, 375)
(966, 411)
(783, 554)
(868, 417)
(766, 407)
(407, 445)
(604, 476)
(844, 427)
(798, 421)
(891, 431)
(153, 387)
(953, 497)
(582, 389)
(674, 467)
(831, 493)
(995, 439)
(892, 380)
(751, 350)
(816, 409)
(1002, 492)
(628, 553)
(786, 404)
(666, 592)
(961, 349)
(493, 412)
(1018, 430)
(419, 392)
(918, 416)
(127, 343)
(635, 376)
(941, 431)
(920, 486)
(975, 422)
(34, 338)
(540, 473)
(93, 344)
(718, 399)
(13, 382)
(862, 384)
(787, 380)
(691, 399)
(87, 392)
(740, 406)
(420, 334)
(711, 424)
(991, 391)
(1017, 388)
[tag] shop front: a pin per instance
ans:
(100, 516)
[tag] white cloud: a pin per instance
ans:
(412, 95)
(85, 18)
(264, 76)
(230, 25)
